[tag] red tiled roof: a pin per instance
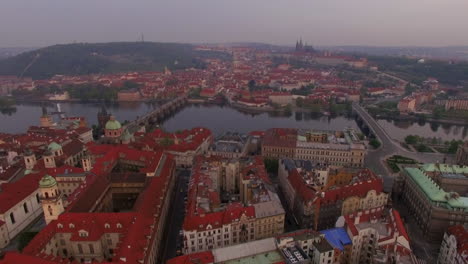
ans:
(15, 192)
(205, 257)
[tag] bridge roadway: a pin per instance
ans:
(158, 113)
(375, 158)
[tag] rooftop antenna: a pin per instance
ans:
(142, 37)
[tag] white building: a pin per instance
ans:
(19, 206)
(454, 247)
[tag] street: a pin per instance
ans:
(176, 217)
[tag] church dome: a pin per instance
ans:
(47, 181)
(113, 124)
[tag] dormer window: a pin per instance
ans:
(59, 225)
(119, 225)
(107, 226)
(71, 226)
(83, 233)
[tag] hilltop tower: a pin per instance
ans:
(51, 198)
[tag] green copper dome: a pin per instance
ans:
(113, 124)
(47, 181)
(54, 146)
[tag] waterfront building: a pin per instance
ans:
(462, 154)
(317, 194)
(433, 208)
(340, 148)
(129, 95)
(454, 247)
(230, 202)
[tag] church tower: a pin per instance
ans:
(29, 159)
(46, 119)
(51, 198)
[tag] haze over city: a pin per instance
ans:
(360, 22)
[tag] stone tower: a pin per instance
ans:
(51, 198)
(29, 159)
(46, 119)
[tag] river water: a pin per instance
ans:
(221, 119)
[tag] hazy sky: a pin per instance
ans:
(319, 22)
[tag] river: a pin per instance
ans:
(221, 119)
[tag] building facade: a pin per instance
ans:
(339, 148)
(317, 195)
(229, 202)
(433, 208)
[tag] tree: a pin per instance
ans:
(299, 102)
(437, 112)
(374, 143)
(453, 147)
(411, 139)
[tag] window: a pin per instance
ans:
(109, 241)
(91, 248)
(46, 195)
(80, 249)
(37, 198)
(25, 207)
(12, 218)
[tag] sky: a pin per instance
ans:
(36, 23)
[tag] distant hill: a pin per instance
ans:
(10, 52)
(85, 58)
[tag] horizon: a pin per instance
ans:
(334, 23)
(291, 45)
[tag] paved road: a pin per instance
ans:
(176, 216)
(374, 159)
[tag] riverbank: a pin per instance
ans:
(418, 119)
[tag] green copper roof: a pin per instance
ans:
(434, 192)
(113, 125)
(47, 181)
(127, 136)
(445, 168)
(54, 146)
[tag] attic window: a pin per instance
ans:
(107, 225)
(71, 226)
(83, 233)
(119, 225)
(59, 225)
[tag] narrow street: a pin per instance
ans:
(176, 216)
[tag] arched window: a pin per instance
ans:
(37, 198)
(50, 210)
(25, 207)
(12, 218)
(46, 195)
